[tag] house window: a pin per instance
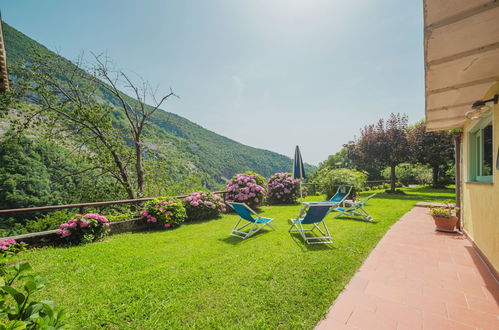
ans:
(481, 152)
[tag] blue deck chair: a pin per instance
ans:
(255, 221)
(314, 216)
(356, 210)
(339, 197)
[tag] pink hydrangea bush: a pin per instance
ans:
(84, 228)
(164, 212)
(283, 189)
(304, 191)
(201, 206)
(10, 247)
(246, 188)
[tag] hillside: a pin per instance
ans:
(217, 156)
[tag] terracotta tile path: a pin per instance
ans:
(417, 278)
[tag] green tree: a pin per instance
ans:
(24, 175)
(66, 94)
(435, 149)
(382, 144)
(39, 172)
(337, 160)
(328, 179)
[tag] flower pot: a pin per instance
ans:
(445, 224)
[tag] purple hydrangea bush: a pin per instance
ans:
(10, 247)
(164, 212)
(246, 188)
(84, 228)
(283, 189)
(201, 206)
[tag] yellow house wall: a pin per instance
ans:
(480, 202)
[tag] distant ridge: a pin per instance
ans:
(217, 156)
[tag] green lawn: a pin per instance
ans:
(198, 276)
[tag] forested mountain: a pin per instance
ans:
(188, 145)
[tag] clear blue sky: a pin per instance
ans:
(268, 73)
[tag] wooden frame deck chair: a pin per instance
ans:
(255, 221)
(339, 197)
(356, 210)
(314, 216)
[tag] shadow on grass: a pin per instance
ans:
(233, 240)
(347, 218)
(309, 247)
(411, 197)
(193, 222)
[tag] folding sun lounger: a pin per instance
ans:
(255, 221)
(339, 197)
(356, 210)
(314, 216)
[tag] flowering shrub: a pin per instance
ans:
(9, 247)
(304, 191)
(283, 189)
(199, 206)
(84, 228)
(246, 188)
(164, 211)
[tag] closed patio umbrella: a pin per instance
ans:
(298, 168)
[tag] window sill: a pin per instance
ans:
(478, 182)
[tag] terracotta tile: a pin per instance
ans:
(475, 279)
(473, 317)
(404, 326)
(331, 324)
(402, 313)
(385, 291)
(445, 295)
(381, 275)
(435, 322)
(491, 292)
(483, 305)
(341, 310)
(417, 278)
(436, 273)
(464, 261)
(371, 321)
(457, 268)
(410, 286)
(473, 288)
(358, 283)
(360, 300)
(427, 304)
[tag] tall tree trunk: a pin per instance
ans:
(435, 176)
(125, 180)
(124, 176)
(139, 168)
(392, 178)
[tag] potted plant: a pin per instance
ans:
(444, 218)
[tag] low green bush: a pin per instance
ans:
(18, 310)
(328, 179)
(165, 212)
(407, 173)
(48, 221)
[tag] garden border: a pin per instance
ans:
(50, 238)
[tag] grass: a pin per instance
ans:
(197, 276)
